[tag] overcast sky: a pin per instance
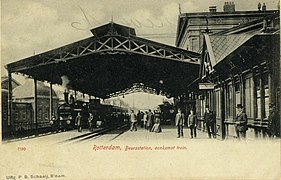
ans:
(34, 26)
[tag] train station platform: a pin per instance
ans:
(122, 154)
(169, 133)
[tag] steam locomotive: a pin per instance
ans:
(103, 115)
(168, 113)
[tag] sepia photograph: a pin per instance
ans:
(140, 89)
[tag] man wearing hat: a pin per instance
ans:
(241, 122)
(210, 121)
(179, 121)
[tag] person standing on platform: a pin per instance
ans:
(157, 116)
(139, 118)
(149, 120)
(142, 115)
(179, 121)
(78, 122)
(95, 118)
(145, 120)
(90, 122)
(192, 123)
(210, 121)
(241, 122)
(133, 119)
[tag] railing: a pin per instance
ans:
(26, 129)
(258, 126)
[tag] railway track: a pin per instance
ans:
(98, 133)
(83, 137)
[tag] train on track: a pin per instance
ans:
(168, 113)
(24, 125)
(102, 115)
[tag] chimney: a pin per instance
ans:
(66, 96)
(263, 7)
(229, 7)
(259, 7)
(213, 9)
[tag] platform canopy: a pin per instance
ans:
(112, 61)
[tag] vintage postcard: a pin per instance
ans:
(148, 89)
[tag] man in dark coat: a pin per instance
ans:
(149, 120)
(139, 118)
(192, 122)
(241, 122)
(78, 122)
(179, 121)
(210, 121)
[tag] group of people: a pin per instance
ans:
(210, 122)
(91, 122)
(241, 126)
(151, 122)
(191, 122)
(148, 120)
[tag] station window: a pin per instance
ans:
(229, 101)
(258, 91)
(39, 114)
(249, 96)
(217, 103)
(5, 116)
(237, 93)
(23, 115)
(194, 44)
(16, 116)
(29, 115)
(46, 114)
(266, 95)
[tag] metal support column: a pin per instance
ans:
(255, 82)
(262, 100)
(35, 105)
(51, 100)
(222, 106)
(10, 95)
(242, 90)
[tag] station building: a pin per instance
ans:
(192, 26)
(241, 65)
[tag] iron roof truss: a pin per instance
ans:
(112, 41)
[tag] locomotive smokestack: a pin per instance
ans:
(65, 82)
(66, 96)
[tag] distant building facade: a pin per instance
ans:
(25, 94)
(23, 107)
(192, 26)
(4, 101)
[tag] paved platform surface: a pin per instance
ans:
(122, 154)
